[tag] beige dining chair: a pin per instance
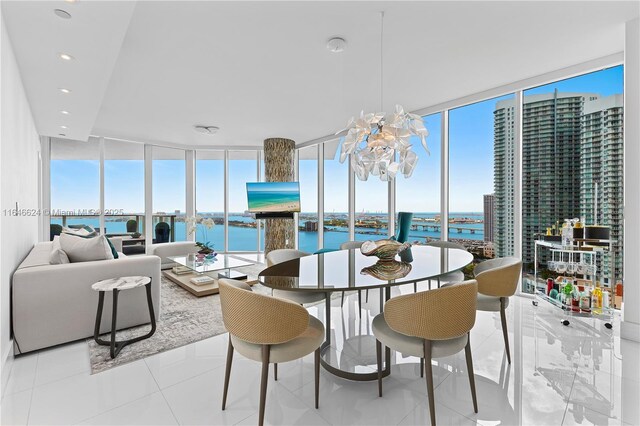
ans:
(429, 324)
(301, 297)
(497, 281)
(268, 330)
(451, 277)
(348, 245)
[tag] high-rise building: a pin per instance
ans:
(503, 177)
(601, 171)
(489, 214)
(570, 142)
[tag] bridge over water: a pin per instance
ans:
(436, 228)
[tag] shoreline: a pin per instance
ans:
(287, 207)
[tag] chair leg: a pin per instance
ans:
(379, 359)
(263, 381)
(275, 371)
(342, 301)
(360, 303)
(366, 296)
(316, 367)
(505, 334)
(472, 380)
(429, 373)
(415, 287)
(227, 373)
(421, 367)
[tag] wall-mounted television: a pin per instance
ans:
(273, 197)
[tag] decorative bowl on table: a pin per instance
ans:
(383, 249)
(387, 270)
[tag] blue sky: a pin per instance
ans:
(74, 184)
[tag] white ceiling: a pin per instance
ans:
(149, 71)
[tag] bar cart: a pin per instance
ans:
(579, 259)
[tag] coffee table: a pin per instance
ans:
(220, 267)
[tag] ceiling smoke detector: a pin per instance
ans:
(336, 44)
(207, 130)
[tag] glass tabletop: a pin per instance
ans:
(351, 270)
(218, 263)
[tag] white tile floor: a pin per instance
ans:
(580, 374)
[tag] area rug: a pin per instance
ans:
(184, 318)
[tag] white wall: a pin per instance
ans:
(630, 327)
(19, 153)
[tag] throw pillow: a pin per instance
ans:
(84, 231)
(81, 249)
(57, 255)
(113, 249)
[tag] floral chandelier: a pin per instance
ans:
(380, 144)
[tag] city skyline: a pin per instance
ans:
(572, 141)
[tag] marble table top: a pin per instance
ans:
(122, 283)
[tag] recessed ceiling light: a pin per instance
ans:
(62, 13)
(337, 44)
(63, 127)
(70, 1)
(65, 56)
(64, 112)
(61, 134)
(207, 130)
(65, 91)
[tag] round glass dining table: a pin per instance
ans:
(349, 270)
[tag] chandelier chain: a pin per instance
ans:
(381, 61)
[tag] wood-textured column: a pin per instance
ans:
(279, 155)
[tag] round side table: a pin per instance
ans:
(116, 285)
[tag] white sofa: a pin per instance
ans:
(164, 250)
(54, 304)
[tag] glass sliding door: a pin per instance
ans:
(481, 171)
(308, 217)
(420, 194)
(124, 188)
(75, 184)
(169, 195)
(243, 233)
(336, 196)
(210, 198)
(572, 169)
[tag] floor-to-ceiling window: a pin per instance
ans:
(420, 194)
(75, 183)
(481, 180)
(123, 187)
(243, 234)
(308, 217)
(572, 168)
(169, 194)
(371, 209)
(336, 196)
(210, 198)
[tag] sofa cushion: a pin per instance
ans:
(57, 255)
(84, 231)
(38, 256)
(81, 249)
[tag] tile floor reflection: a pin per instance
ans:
(578, 374)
